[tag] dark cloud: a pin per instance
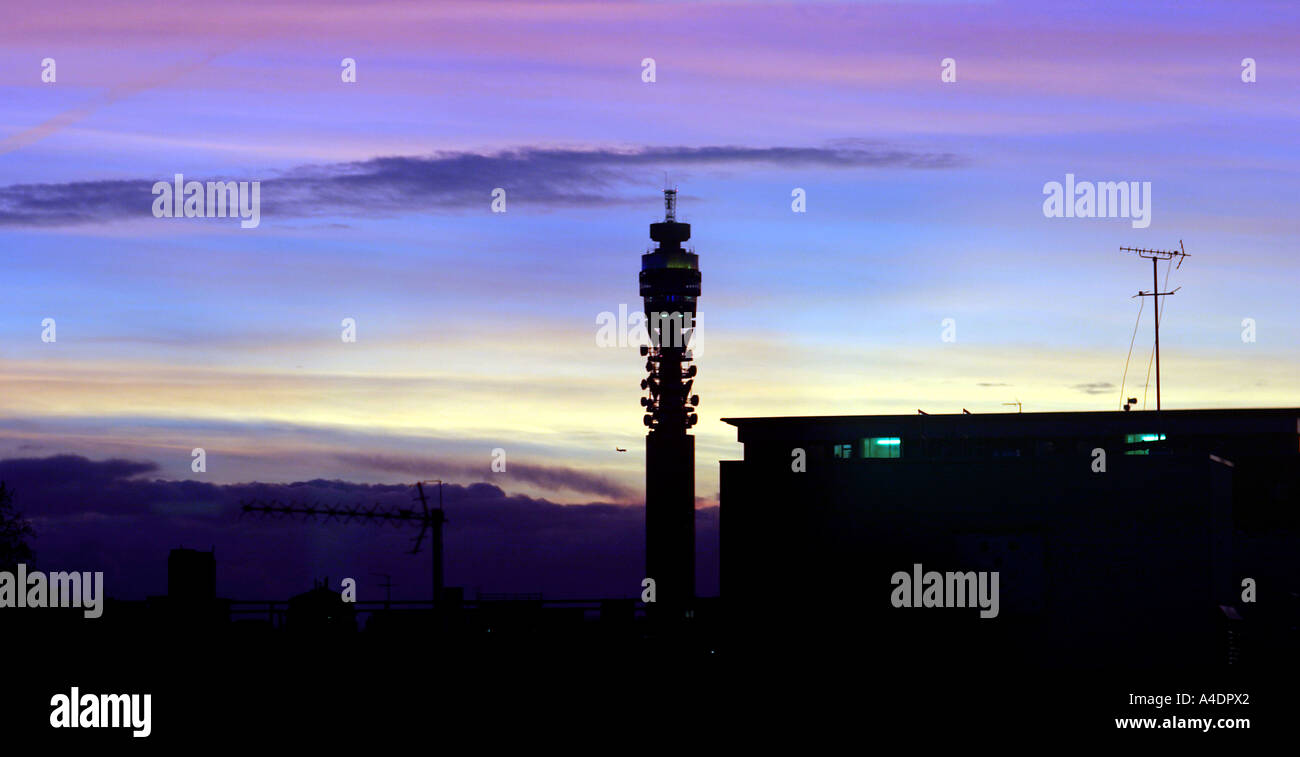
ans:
(1096, 387)
(985, 383)
(547, 477)
(74, 202)
(107, 516)
(450, 181)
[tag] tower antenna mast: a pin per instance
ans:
(1156, 256)
(670, 289)
(429, 519)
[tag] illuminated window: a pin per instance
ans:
(1141, 439)
(882, 447)
(844, 451)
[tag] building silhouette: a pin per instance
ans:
(320, 612)
(191, 605)
(191, 575)
(1136, 565)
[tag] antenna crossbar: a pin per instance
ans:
(427, 518)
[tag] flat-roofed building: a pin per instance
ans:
(1122, 565)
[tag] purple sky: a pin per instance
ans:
(476, 330)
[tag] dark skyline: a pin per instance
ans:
(113, 516)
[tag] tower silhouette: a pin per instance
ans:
(670, 284)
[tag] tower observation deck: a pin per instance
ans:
(670, 286)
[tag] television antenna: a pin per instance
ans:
(1155, 256)
(429, 519)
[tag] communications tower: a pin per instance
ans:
(670, 285)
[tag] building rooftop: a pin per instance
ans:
(1223, 420)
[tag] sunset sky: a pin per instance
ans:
(477, 330)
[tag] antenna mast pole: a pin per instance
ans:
(1156, 256)
(435, 519)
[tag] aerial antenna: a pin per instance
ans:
(670, 205)
(428, 519)
(432, 519)
(1156, 256)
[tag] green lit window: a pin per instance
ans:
(843, 451)
(1142, 439)
(882, 446)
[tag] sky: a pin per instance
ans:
(476, 331)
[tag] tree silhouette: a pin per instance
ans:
(14, 531)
